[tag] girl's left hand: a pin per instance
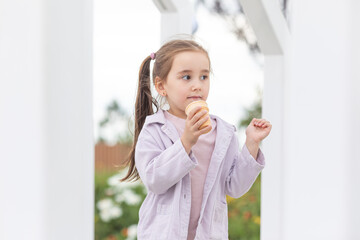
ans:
(258, 129)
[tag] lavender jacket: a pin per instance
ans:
(164, 167)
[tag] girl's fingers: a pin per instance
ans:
(205, 129)
(193, 112)
(200, 122)
(266, 124)
(197, 116)
(261, 122)
(257, 121)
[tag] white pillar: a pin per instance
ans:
(176, 17)
(272, 34)
(46, 140)
(321, 168)
(272, 175)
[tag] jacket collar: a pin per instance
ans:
(158, 117)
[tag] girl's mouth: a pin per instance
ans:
(195, 98)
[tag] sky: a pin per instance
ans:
(125, 34)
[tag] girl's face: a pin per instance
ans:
(187, 81)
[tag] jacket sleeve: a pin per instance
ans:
(160, 169)
(243, 172)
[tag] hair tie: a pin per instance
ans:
(152, 55)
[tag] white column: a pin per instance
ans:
(321, 168)
(272, 175)
(352, 187)
(176, 17)
(46, 140)
(273, 36)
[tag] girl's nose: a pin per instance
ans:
(196, 88)
(196, 85)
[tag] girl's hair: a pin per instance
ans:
(144, 101)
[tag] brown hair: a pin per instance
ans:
(144, 100)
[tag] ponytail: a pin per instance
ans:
(143, 108)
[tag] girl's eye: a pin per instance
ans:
(204, 77)
(186, 77)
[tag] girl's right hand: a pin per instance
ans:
(191, 133)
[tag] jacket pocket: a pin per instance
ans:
(218, 228)
(161, 223)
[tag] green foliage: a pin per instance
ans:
(244, 214)
(116, 206)
(115, 116)
(254, 111)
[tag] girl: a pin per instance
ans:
(187, 173)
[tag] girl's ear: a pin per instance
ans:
(159, 86)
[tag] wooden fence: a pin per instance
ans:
(110, 158)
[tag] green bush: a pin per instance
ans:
(244, 214)
(117, 205)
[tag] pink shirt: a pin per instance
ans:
(202, 150)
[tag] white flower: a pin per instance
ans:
(132, 232)
(114, 180)
(105, 217)
(110, 213)
(130, 197)
(104, 204)
(108, 210)
(115, 211)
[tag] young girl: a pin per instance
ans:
(188, 172)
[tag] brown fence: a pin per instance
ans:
(110, 158)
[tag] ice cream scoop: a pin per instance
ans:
(204, 106)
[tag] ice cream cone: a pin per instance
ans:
(204, 106)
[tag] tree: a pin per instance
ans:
(233, 14)
(115, 125)
(234, 17)
(254, 111)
